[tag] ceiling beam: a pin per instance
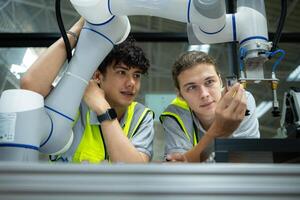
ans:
(46, 39)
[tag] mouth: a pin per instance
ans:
(128, 93)
(206, 104)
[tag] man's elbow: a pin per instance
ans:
(27, 83)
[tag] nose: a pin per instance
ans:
(130, 81)
(203, 92)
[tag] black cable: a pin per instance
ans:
(62, 30)
(280, 24)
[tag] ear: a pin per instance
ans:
(222, 88)
(97, 76)
(179, 94)
(221, 82)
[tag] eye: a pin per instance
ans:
(121, 72)
(191, 88)
(137, 75)
(209, 82)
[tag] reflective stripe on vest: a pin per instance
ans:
(180, 112)
(129, 118)
(92, 148)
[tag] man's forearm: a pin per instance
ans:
(195, 154)
(118, 146)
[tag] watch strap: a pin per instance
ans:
(110, 114)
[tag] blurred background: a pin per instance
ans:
(27, 27)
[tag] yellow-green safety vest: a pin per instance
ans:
(91, 147)
(181, 113)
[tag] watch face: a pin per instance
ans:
(112, 113)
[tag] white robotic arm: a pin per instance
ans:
(207, 23)
(62, 104)
(22, 139)
(248, 26)
(106, 25)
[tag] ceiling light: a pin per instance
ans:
(201, 47)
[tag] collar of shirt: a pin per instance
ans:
(197, 123)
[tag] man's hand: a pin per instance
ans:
(94, 97)
(176, 157)
(230, 112)
(76, 28)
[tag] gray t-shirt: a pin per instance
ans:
(142, 139)
(177, 142)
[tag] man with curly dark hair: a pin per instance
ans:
(111, 125)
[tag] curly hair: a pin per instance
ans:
(188, 60)
(127, 53)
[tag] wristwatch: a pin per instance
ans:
(110, 114)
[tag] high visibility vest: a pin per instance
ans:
(181, 113)
(91, 147)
